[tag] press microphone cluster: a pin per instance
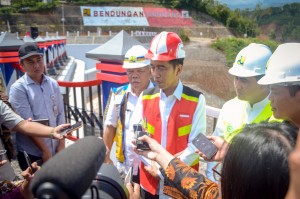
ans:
(70, 172)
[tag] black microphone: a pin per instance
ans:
(70, 172)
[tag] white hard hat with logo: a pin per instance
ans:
(166, 46)
(251, 61)
(284, 66)
(135, 57)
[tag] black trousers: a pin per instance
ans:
(136, 178)
(22, 161)
(146, 195)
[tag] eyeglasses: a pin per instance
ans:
(217, 170)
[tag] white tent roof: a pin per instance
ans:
(113, 50)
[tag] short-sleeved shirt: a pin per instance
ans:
(8, 118)
(37, 101)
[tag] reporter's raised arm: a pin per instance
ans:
(39, 130)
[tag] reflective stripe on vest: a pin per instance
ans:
(264, 115)
(273, 119)
(179, 126)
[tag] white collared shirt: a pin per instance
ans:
(131, 158)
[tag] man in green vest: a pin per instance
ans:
(251, 105)
(283, 77)
(121, 106)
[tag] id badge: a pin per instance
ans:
(55, 110)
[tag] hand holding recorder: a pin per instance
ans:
(29, 164)
(138, 132)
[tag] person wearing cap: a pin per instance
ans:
(283, 78)
(251, 105)
(121, 106)
(172, 113)
(36, 96)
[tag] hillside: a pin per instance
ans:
(51, 22)
(279, 23)
(242, 4)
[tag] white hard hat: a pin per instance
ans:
(166, 46)
(251, 61)
(135, 57)
(284, 66)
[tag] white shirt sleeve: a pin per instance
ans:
(198, 126)
(111, 116)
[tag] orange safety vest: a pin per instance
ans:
(179, 126)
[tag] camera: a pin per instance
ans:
(138, 132)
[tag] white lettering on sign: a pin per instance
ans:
(134, 16)
(118, 13)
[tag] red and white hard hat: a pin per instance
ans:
(166, 46)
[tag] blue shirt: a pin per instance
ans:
(37, 101)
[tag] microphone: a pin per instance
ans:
(70, 172)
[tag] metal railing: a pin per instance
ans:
(213, 114)
(79, 96)
(83, 102)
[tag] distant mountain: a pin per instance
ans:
(244, 4)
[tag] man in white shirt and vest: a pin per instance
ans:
(251, 105)
(172, 113)
(283, 77)
(121, 106)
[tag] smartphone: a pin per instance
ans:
(204, 145)
(128, 177)
(137, 127)
(28, 161)
(71, 128)
(42, 121)
(139, 144)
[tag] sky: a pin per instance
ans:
(243, 4)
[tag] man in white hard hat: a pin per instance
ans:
(283, 77)
(251, 105)
(121, 106)
(174, 113)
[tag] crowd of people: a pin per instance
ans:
(255, 133)
(258, 150)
